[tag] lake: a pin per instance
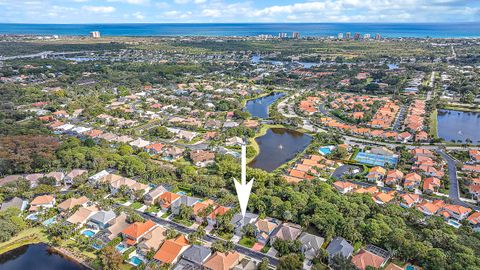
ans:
(459, 126)
(259, 107)
(38, 257)
(277, 146)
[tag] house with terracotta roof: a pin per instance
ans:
(72, 175)
(171, 250)
(219, 211)
(72, 202)
(366, 258)
(474, 220)
(166, 199)
(201, 209)
(344, 187)
(155, 148)
(264, 228)
(457, 211)
(42, 202)
(412, 181)
(376, 173)
(135, 233)
(393, 177)
(430, 208)
(222, 261)
(408, 200)
(382, 198)
(431, 185)
(153, 195)
(202, 158)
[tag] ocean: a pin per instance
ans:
(394, 30)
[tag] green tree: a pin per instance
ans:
(290, 262)
(110, 258)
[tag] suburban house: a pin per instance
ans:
(393, 177)
(101, 219)
(474, 220)
(264, 228)
(311, 244)
(222, 261)
(219, 211)
(16, 202)
(366, 258)
(197, 255)
(44, 201)
(376, 174)
(153, 239)
(412, 181)
(183, 200)
(408, 200)
(339, 247)
(171, 250)
(81, 216)
(457, 211)
(166, 199)
(152, 197)
(117, 226)
(246, 264)
(134, 233)
(287, 231)
(238, 221)
(200, 209)
(431, 185)
(155, 148)
(344, 187)
(72, 202)
(202, 158)
(71, 176)
(430, 208)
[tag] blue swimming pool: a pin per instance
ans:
(49, 221)
(325, 150)
(135, 261)
(182, 193)
(88, 233)
(121, 247)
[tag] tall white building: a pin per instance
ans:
(95, 34)
(340, 36)
(296, 35)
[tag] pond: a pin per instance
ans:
(459, 126)
(259, 107)
(38, 257)
(277, 146)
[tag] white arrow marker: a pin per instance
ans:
(243, 188)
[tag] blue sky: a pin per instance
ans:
(205, 11)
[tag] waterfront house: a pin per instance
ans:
(81, 216)
(42, 202)
(101, 219)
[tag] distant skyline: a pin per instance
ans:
(225, 11)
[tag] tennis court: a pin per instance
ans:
(375, 159)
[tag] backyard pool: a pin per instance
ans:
(121, 247)
(325, 150)
(135, 261)
(88, 233)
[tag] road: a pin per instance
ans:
(210, 238)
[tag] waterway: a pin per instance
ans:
(459, 126)
(259, 107)
(37, 257)
(277, 146)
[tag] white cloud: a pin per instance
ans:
(99, 9)
(138, 15)
(133, 2)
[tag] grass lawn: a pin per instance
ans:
(152, 209)
(433, 124)
(187, 223)
(28, 236)
(247, 241)
(265, 249)
(225, 236)
(168, 213)
(136, 205)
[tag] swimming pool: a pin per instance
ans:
(49, 221)
(454, 223)
(182, 193)
(121, 247)
(325, 150)
(88, 233)
(135, 261)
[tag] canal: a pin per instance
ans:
(259, 107)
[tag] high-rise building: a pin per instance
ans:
(366, 36)
(340, 36)
(378, 36)
(348, 35)
(282, 35)
(296, 35)
(356, 36)
(95, 34)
